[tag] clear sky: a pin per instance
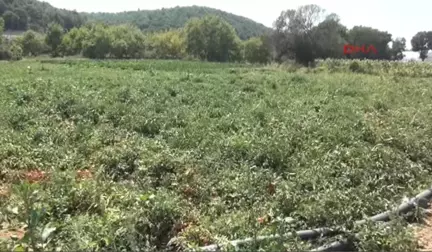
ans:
(400, 18)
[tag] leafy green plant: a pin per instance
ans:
(37, 235)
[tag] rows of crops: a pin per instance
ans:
(130, 155)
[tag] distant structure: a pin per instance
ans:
(11, 35)
(415, 56)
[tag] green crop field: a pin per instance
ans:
(202, 153)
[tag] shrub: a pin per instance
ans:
(5, 53)
(31, 43)
(355, 67)
(16, 52)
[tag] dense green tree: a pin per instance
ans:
(72, 42)
(168, 45)
(97, 44)
(294, 34)
(330, 37)
(127, 42)
(236, 52)
(54, 38)
(398, 47)
(256, 50)
(211, 38)
(361, 35)
(195, 39)
(422, 42)
(31, 43)
(11, 20)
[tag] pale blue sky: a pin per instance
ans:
(400, 18)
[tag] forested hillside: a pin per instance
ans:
(36, 15)
(154, 20)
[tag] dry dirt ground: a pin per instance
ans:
(4, 191)
(12, 234)
(424, 234)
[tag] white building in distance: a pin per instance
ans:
(415, 56)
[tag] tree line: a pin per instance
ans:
(210, 38)
(177, 17)
(302, 35)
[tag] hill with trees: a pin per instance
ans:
(167, 18)
(35, 15)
